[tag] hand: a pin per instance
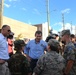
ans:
(29, 59)
(2, 61)
(65, 74)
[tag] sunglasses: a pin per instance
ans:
(9, 30)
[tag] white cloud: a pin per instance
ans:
(58, 24)
(7, 5)
(54, 31)
(24, 9)
(36, 11)
(67, 26)
(12, 0)
(66, 10)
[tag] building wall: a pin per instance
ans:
(1, 12)
(20, 28)
(44, 28)
(39, 27)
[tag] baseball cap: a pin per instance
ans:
(65, 32)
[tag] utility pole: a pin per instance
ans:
(71, 26)
(1, 12)
(63, 21)
(48, 14)
(75, 30)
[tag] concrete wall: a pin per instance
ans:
(44, 28)
(1, 12)
(20, 28)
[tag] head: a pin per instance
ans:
(0, 30)
(38, 36)
(26, 40)
(10, 35)
(53, 45)
(19, 45)
(72, 38)
(49, 37)
(5, 30)
(65, 36)
(56, 36)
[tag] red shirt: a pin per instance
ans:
(10, 46)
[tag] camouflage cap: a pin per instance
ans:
(53, 42)
(19, 42)
(64, 32)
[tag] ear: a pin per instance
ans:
(49, 46)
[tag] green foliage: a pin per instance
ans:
(19, 36)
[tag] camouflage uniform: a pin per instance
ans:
(50, 63)
(19, 65)
(70, 54)
(69, 51)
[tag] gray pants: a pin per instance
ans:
(4, 69)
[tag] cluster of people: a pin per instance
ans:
(37, 57)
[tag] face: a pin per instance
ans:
(23, 47)
(48, 48)
(6, 31)
(73, 40)
(63, 39)
(38, 37)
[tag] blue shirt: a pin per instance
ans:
(35, 50)
(3, 48)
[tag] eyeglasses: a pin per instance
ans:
(9, 30)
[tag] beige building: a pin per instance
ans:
(18, 28)
(1, 12)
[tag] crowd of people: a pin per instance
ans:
(54, 56)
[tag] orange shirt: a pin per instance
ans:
(10, 46)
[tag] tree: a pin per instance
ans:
(19, 36)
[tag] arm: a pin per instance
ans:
(68, 67)
(70, 60)
(45, 49)
(26, 52)
(27, 56)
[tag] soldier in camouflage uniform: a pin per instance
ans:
(18, 64)
(50, 63)
(69, 53)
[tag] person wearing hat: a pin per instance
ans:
(18, 64)
(51, 63)
(69, 53)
